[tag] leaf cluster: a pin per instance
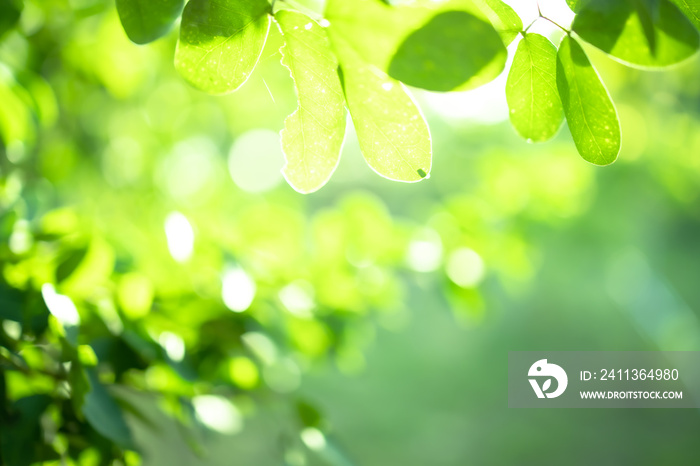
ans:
(361, 55)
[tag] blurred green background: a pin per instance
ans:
(235, 321)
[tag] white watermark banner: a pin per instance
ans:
(603, 379)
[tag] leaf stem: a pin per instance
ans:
(524, 31)
(541, 15)
(557, 24)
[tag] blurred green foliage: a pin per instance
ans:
(163, 293)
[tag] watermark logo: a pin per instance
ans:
(547, 371)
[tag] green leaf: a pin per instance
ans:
(21, 440)
(645, 33)
(435, 59)
(575, 5)
(79, 384)
(104, 414)
(221, 42)
(10, 11)
(313, 135)
(648, 11)
(531, 89)
(146, 20)
(69, 262)
(443, 55)
(691, 9)
(589, 110)
(504, 19)
(11, 302)
(15, 115)
(392, 133)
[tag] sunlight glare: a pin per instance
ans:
(237, 289)
(465, 267)
(218, 414)
(60, 306)
(180, 236)
(425, 251)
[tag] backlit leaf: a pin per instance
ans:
(457, 50)
(313, 134)
(15, 115)
(575, 5)
(503, 17)
(587, 105)
(531, 89)
(393, 135)
(221, 42)
(452, 49)
(647, 11)
(647, 33)
(691, 8)
(146, 20)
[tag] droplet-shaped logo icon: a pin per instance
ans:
(544, 370)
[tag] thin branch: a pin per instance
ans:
(13, 365)
(557, 25)
(530, 25)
